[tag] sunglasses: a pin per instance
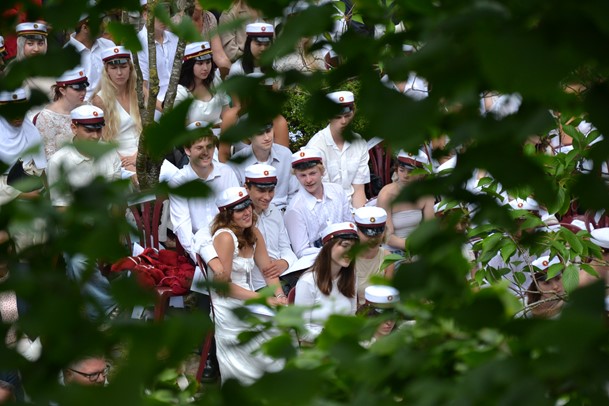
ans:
(372, 231)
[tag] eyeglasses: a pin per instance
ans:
(93, 376)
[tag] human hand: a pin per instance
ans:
(275, 268)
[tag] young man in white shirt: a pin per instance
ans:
(263, 150)
(346, 161)
(316, 204)
(260, 182)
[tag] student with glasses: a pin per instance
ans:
(88, 371)
(54, 122)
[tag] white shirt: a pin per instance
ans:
(237, 69)
(280, 159)
(308, 294)
(189, 215)
(306, 216)
(201, 110)
(90, 60)
(346, 167)
(271, 226)
(416, 87)
(165, 55)
(80, 171)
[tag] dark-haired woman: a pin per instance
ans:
(239, 246)
(199, 79)
(329, 286)
(54, 122)
(259, 38)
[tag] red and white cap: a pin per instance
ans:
(381, 295)
(32, 30)
(524, 204)
(343, 98)
(261, 175)
(261, 32)
(305, 155)
(200, 51)
(544, 262)
(600, 237)
(88, 116)
(116, 55)
(413, 160)
(233, 198)
(72, 76)
(343, 230)
(20, 94)
(370, 220)
(195, 125)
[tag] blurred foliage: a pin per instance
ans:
(460, 341)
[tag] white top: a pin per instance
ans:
(271, 226)
(127, 138)
(416, 87)
(308, 294)
(189, 215)
(237, 69)
(346, 167)
(306, 216)
(55, 129)
(165, 55)
(280, 159)
(90, 60)
(200, 110)
(80, 170)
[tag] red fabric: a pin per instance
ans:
(165, 268)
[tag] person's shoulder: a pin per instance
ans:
(282, 150)
(307, 278)
(334, 188)
(171, 36)
(105, 43)
(182, 176)
(62, 154)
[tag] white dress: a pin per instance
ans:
(201, 110)
(127, 138)
(54, 129)
(236, 360)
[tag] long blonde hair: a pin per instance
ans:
(108, 94)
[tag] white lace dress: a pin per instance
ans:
(238, 361)
(54, 129)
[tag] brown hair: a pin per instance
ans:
(323, 275)
(188, 144)
(224, 219)
(56, 93)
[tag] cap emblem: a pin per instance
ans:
(197, 123)
(520, 204)
(240, 194)
(15, 96)
(116, 50)
(35, 25)
(544, 263)
(266, 173)
(341, 98)
(263, 29)
(351, 225)
(390, 298)
(95, 113)
(81, 73)
(302, 154)
(372, 220)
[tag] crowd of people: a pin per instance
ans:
(277, 219)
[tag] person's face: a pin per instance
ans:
(201, 153)
(258, 48)
(74, 96)
(340, 252)
(16, 122)
(201, 69)
(261, 197)
(243, 218)
(385, 328)
(552, 287)
(264, 140)
(342, 121)
(82, 133)
(310, 179)
(92, 371)
(118, 74)
(34, 47)
(404, 175)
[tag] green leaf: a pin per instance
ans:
(125, 34)
(575, 245)
(570, 278)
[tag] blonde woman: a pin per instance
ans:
(117, 96)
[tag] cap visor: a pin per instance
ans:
(118, 61)
(242, 206)
(96, 126)
(264, 40)
(202, 57)
(371, 231)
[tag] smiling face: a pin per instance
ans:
(311, 179)
(34, 47)
(340, 252)
(201, 69)
(118, 74)
(201, 153)
(261, 197)
(243, 218)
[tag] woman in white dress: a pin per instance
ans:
(329, 287)
(199, 80)
(117, 96)
(54, 122)
(239, 246)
